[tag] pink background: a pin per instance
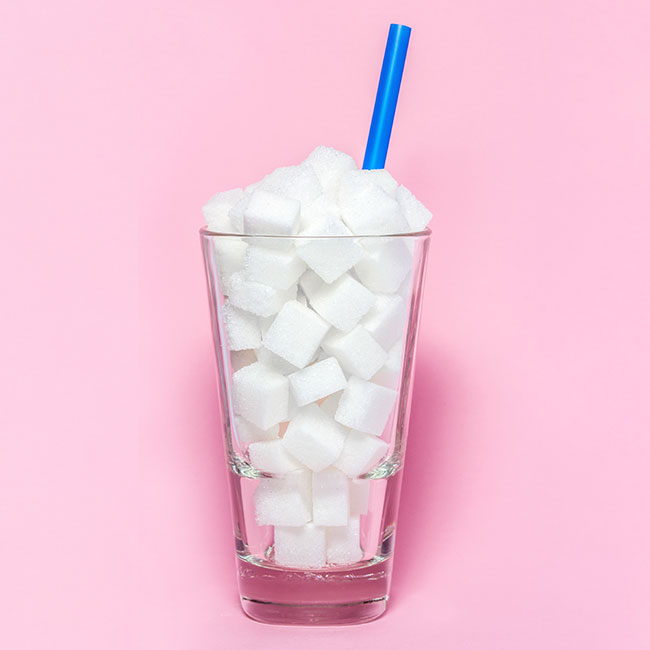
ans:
(523, 124)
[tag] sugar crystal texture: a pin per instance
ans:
(357, 352)
(301, 547)
(330, 165)
(344, 544)
(330, 498)
(359, 496)
(278, 269)
(216, 210)
(246, 432)
(373, 212)
(321, 213)
(416, 214)
(271, 214)
(343, 303)
(236, 213)
(365, 406)
(284, 500)
(295, 334)
(317, 381)
(271, 456)
(242, 328)
(329, 258)
(260, 395)
(386, 319)
(354, 183)
(297, 182)
(309, 283)
(254, 297)
(314, 438)
(383, 268)
(361, 452)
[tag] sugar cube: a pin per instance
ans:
(357, 352)
(365, 406)
(320, 213)
(329, 258)
(301, 547)
(359, 496)
(309, 283)
(274, 362)
(354, 183)
(230, 253)
(242, 328)
(317, 381)
(297, 182)
(331, 403)
(344, 543)
(246, 432)
(260, 395)
(271, 456)
(284, 500)
(236, 212)
(315, 439)
(295, 334)
(330, 498)
(330, 165)
(383, 268)
(342, 303)
(385, 320)
(389, 374)
(254, 297)
(217, 208)
(278, 269)
(271, 214)
(373, 212)
(361, 452)
(414, 212)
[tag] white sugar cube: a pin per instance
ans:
(361, 452)
(246, 432)
(295, 334)
(300, 547)
(365, 406)
(309, 283)
(217, 208)
(317, 381)
(344, 543)
(236, 213)
(354, 183)
(254, 297)
(265, 322)
(229, 253)
(320, 213)
(384, 267)
(343, 303)
(241, 358)
(297, 182)
(373, 212)
(390, 373)
(330, 165)
(278, 269)
(357, 352)
(359, 496)
(284, 500)
(330, 498)
(242, 328)
(416, 214)
(271, 214)
(313, 438)
(274, 362)
(385, 320)
(260, 395)
(329, 258)
(271, 456)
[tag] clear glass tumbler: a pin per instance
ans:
(315, 479)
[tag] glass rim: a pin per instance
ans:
(420, 234)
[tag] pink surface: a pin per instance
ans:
(524, 125)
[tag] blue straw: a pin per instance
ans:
(389, 82)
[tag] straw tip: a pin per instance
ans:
(397, 26)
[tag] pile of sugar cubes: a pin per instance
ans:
(315, 329)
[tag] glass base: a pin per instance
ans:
(337, 596)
